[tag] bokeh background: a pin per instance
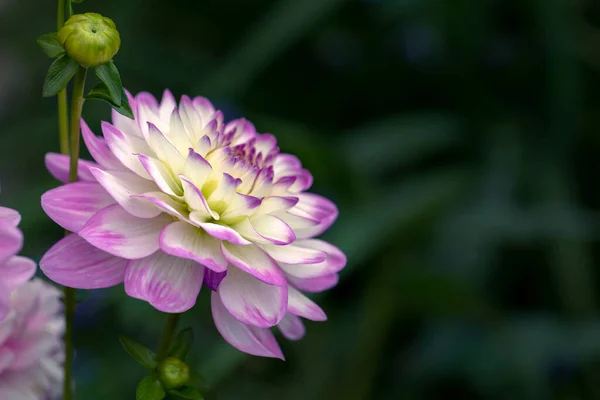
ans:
(460, 141)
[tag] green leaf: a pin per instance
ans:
(50, 44)
(187, 392)
(149, 389)
(182, 343)
(139, 352)
(109, 74)
(60, 73)
(100, 92)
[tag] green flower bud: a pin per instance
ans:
(90, 39)
(173, 373)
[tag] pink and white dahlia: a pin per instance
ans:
(177, 198)
(31, 325)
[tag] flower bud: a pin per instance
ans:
(173, 373)
(90, 39)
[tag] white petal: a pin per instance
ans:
(122, 186)
(184, 240)
(249, 339)
(251, 301)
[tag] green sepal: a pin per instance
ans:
(100, 92)
(187, 392)
(109, 74)
(150, 389)
(182, 343)
(140, 353)
(50, 44)
(59, 74)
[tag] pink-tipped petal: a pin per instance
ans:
(195, 199)
(164, 149)
(16, 272)
(196, 169)
(255, 262)
(314, 207)
(251, 301)
(73, 204)
(75, 263)
(11, 241)
(164, 203)
(58, 165)
(125, 147)
(314, 285)
(161, 175)
(251, 340)
(295, 253)
(170, 284)
(187, 241)
(273, 229)
(273, 204)
(123, 187)
(99, 149)
(222, 232)
(117, 232)
(266, 229)
(292, 327)
(241, 205)
(9, 216)
(299, 304)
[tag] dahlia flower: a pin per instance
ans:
(177, 198)
(30, 323)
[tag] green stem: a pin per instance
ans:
(69, 298)
(69, 8)
(63, 116)
(77, 100)
(167, 336)
(69, 293)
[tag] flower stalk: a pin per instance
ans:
(167, 336)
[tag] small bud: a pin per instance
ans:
(90, 39)
(173, 373)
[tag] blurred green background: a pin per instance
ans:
(460, 141)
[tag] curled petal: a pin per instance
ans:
(249, 339)
(123, 187)
(317, 208)
(196, 169)
(299, 304)
(125, 148)
(73, 204)
(251, 301)
(266, 229)
(314, 285)
(170, 284)
(221, 232)
(255, 262)
(161, 175)
(292, 327)
(76, 263)
(99, 149)
(187, 241)
(295, 253)
(117, 232)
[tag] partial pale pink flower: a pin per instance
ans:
(31, 325)
(176, 198)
